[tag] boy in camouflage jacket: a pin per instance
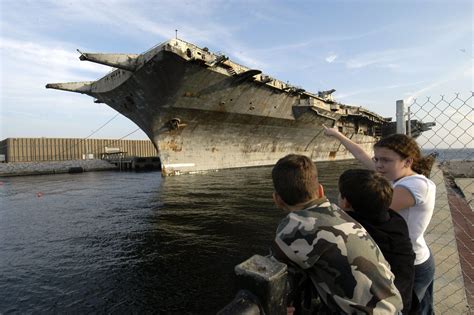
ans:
(345, 266)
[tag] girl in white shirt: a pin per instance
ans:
(398, 158)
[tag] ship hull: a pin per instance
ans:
(212, 141)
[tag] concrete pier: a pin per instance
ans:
(54, 167)
(450, 236)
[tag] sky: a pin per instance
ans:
(373, 52)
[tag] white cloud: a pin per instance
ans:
(48, 57)
(384, 57)
(155, 19)
(248, 61)
(27, 106)
(331, 58)
(371, 90)
(459, 74)
(27, 67)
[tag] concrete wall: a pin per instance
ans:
(62, 149)
(53, 167)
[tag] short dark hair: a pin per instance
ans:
(295, 179)
(368, 192)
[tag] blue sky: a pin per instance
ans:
(372, 52)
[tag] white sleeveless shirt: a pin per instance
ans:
(419, 215)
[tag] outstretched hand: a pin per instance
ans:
(331, 132)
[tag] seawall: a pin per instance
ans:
(459, 175)
(54, 167)
(459, 169)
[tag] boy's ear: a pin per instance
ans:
(344, 204)
(278, 201)
(320, 191)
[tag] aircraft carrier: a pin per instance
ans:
(205, 112)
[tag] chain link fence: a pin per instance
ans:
(450, 234)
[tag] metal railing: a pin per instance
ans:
(451, 231)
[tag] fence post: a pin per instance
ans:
(409, 121)
(401, 127)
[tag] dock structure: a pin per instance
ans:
(65, 149)
(124, 162)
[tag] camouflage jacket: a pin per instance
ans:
(345, 265)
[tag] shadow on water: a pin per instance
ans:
(134, 242)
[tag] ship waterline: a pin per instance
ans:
(204, 112)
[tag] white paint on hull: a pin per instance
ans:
(180, 165)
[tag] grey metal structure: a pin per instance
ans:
(263, 284)
(204, 112)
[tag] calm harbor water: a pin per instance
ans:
(121, 242)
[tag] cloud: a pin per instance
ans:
(27, 67)
(331, 58)
(442, 39)
(158, 19)
(47, 57)
(371, 90)
(384, 57)
(249, 61)
(460, 74)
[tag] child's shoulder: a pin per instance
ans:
(327, 215)
(397, 222)
(395, 216)
(414, 180)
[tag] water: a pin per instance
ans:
(134, 242)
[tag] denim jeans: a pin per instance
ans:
(423, 286)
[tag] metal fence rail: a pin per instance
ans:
(450, 234)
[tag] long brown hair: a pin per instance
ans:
(407, 147)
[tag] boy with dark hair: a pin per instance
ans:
(344, 264)
(366, 196)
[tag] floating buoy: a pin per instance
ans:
(39, 194)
